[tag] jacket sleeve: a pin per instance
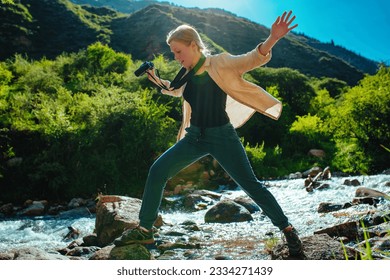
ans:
(246, 62)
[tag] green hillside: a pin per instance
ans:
(49, 28)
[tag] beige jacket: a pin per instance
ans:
(244, 98)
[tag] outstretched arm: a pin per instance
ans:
(279, 29)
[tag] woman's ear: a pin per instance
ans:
(194, 46)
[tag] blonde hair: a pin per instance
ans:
(187, 34)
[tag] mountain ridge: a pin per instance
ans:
(49, 28)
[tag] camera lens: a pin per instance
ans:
(143, 68)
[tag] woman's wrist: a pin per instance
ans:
(267, 45)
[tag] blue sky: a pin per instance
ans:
(360, 26)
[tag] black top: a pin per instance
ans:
(207, 101)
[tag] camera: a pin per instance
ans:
(143, 68)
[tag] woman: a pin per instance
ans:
(216, 100)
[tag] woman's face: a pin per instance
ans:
(186, 55)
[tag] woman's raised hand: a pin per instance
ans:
(282, 25)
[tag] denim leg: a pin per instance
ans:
(179, 156)
(231, 154)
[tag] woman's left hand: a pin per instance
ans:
(281, 26)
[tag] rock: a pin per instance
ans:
(56, 209)
(194, 201)
(349, 230)
(316, 153)
(178, 245)
(312, 172)
(312, 183)
(35, 208)
(326, 207)
(115, 214)
(379, 230)
(130, 252)
(36, 254)
(365, 200)
(209, 194)
(354, 182)
(248, 203)
(316, 247)
(90, 240)
(6, 256)
(380, 218)
(296, 175)
(227, 211)
(102, 254)
(7, 209)
(76, 202)
(379, 248)
(367, 192)
(83, 251)
(73, 233)
(75, 212)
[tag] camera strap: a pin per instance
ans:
(179, 80)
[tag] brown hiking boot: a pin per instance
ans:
(138, 235)
(294, 244)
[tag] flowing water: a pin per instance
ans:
(234, 239)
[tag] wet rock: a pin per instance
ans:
(190, 226)
(174, 233)
(130, 252)
(349, 230)
(73, 233)
(177, 245)
(36, 254)
(196, 201)
(227, 211)
(35, 208)
(76, 202)
(353, 182)
(379, 230)
(102, 254)
(316, 247)
(115, 214)
(209, 194)
(56, 209)
(365, 200)
(379, 218)
(6, 256)
(7, 209)
(373, 248)
(312, 183)
(90, 240)
(248, 203)
(75, 212)
(83, 251)
(382, 244)
(169, 255)
(296, 175)
(326, 207)
(367, 192)
(222, 257)
(312, 172)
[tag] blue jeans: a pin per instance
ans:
(223, 144)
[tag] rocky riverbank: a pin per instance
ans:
(364, 233)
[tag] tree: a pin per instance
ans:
(361, 122)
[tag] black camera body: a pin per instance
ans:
(143, 68)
